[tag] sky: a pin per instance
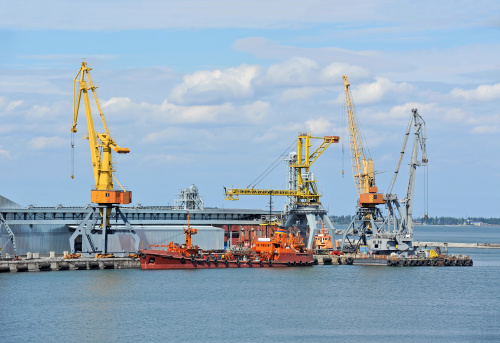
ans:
(212, 93)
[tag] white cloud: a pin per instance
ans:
(410, 65)
(296, 71)
(450, 115)
(481, 93)
(38, 112)
(157, 14)
(319, 126)
(67, 57)
(191, 114)
(167, 112)
(4, 153)
(256, 112)
(403, 111)
(334, 71)
(429, 111)
(369, 93)
(165, 135)
(375, 91)
(38, 81)
(8, 105)
(8, 128)
(45, 143)
(300, 94)
(266, 49)
(217, 85)
(116, 105)
(13, 105)
(481, 129)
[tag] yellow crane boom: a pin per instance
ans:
(363, 170)
(234, 193)
(100, 144)
(306, 183)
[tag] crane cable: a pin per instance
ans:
(366, 149)
(426, 193)
(343, 130)
(72, 155)
(269, 169)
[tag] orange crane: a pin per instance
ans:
(394, 233)
(363, 169)
(364, 178)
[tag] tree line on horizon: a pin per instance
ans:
(346, 219)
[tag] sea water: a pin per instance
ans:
(314, 304)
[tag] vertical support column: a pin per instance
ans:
(311, 221)
(105, 221)
(290, 219)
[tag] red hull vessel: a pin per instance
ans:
(161, 259)
(281, 250)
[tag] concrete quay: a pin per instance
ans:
(333, 259)
(456, 245)
(60, 264)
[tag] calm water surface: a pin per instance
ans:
(318, 304)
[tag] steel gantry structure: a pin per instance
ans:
(394, 233)
(304, 189)
(363, 170)
(304, 206)
(94, 229)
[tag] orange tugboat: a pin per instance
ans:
(281, 250)
(322, 240)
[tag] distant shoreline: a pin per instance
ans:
(452, 225)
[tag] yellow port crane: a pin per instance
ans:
(304, 206)
(305, 190)
(363, 169)
(91, 235)
(100, 145)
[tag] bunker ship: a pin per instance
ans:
(45, 230)
(281, 250)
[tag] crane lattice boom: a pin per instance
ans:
(363, 170)
(100, 144)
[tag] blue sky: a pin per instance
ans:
(212, 92)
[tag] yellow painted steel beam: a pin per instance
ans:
(363, 170)
(306, 186)
(327, 141)
(100, 143)
(234, 193)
